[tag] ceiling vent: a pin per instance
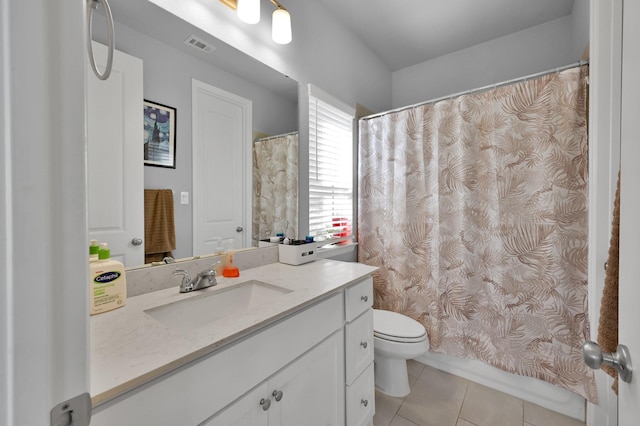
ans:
(199, 44)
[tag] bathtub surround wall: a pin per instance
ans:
(497, 182)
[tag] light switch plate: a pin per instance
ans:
(184, 198)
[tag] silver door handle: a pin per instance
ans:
(620, 359)
(136, 241)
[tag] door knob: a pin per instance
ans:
(620, 359)
(277, 395)
(136, 241)
(239, 229)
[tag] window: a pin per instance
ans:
(330, 165)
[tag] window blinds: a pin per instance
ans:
(330, 165)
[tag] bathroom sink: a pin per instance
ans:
(198, 311)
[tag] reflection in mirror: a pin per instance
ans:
(157, 37)
(275, 187)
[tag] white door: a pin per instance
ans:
(115, 157)
(44, 324)
(221, 164)
(629, 297)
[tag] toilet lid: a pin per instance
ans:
(394, 326)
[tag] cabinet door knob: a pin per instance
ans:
(365, 298)
(277, 395)
(265, 403)
(364, 402)
(363, 344)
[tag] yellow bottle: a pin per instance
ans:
(108, 283)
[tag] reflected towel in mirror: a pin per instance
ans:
(159, 225)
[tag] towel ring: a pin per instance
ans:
(91, 6)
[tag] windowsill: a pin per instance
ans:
(336, 249)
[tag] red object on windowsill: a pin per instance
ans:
(341, 224)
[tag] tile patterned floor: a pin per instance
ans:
(442, 399)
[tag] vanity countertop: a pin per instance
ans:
(129, 347)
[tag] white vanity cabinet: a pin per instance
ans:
(308, 391)
(310, 394)
(311, 365)
(191, 394)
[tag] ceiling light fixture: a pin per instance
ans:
(281, 24)
(249, 11)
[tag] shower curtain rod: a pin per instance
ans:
(481, 89)
(275, 136)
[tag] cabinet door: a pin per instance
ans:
(312, 387)
(246, 410)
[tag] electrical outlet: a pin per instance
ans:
(184, 198)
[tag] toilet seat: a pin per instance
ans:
(396, 327)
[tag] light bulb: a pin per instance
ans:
(281, 27)
(249, 11)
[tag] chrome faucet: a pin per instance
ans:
(204, 279)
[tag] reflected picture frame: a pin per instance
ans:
(159, 135)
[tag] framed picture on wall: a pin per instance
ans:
(159, 135)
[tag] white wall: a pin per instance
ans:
(536, 49)
(167, 80)
(579, 27)
(323, 51)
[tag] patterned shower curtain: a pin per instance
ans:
(475, 210)
(275, 186)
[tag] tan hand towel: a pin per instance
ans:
(159, 226)
(608, 327)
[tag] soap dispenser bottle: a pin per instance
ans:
(230, 270)
(108, 284)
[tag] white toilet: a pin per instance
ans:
(396, 338)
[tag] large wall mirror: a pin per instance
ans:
(170, 65)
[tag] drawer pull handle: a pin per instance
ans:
(265, 403)
(277, 395)
(365, 298)
(364, 402)
(363, 344)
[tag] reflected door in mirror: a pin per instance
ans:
(114, 115)
(221, 129)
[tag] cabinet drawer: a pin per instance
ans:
(358, 298)
(361, 399)
(359, 345)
